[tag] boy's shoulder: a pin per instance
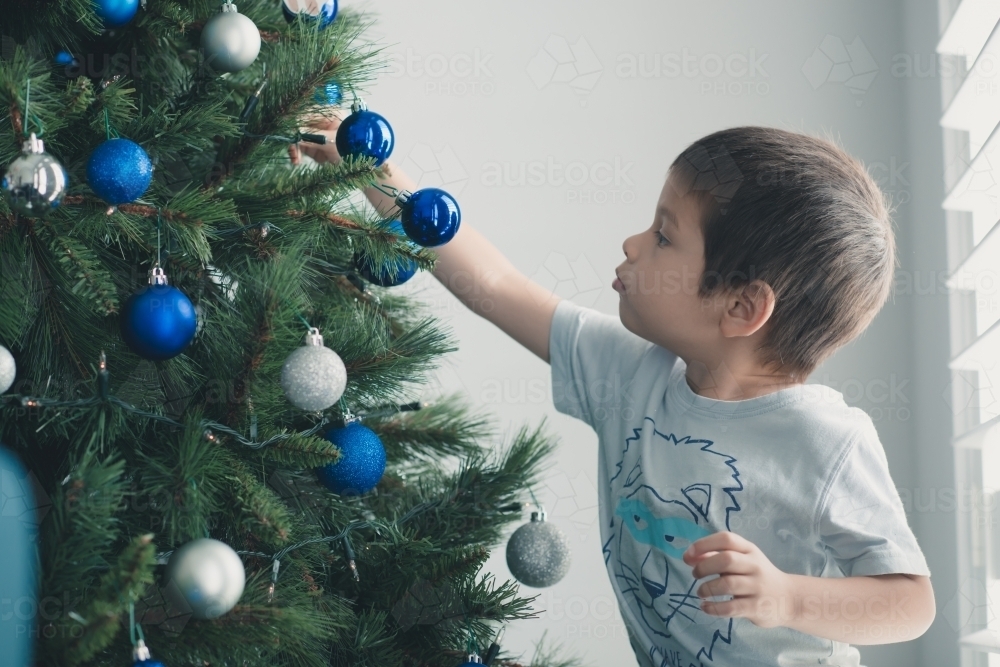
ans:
(809, 414)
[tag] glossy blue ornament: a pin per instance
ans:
(119, 171)
(361, 463)
(405, 267)
(18, 574)
(64, 58)
(116, 12)
(323, 10)
(430, 216)
(365, 134)
(158, 321)
(329, 94)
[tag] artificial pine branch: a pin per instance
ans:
(102, 613)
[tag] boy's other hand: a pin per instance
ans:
(325, 123)
(760, 591)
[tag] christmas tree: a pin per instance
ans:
(216, 390)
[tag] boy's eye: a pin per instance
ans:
(660, 238)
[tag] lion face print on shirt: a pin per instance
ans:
(653, 526)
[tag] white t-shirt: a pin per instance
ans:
(797, 472)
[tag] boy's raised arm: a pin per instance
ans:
(471, 267)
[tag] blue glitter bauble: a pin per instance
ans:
(405, 267)
(324, 10)
(119, 171)
(361, 463)
(365, 134)
(328, 94)
(116, 12)
(158, 322)
(147, 663)
(430, 217)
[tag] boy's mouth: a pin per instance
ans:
(617, 284)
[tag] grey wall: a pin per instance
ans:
(478, 88)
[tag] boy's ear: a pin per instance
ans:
(748, 308)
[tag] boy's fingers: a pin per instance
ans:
(723, 562)
(731, 584)
(720, 541)
(731, 608)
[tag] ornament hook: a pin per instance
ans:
(314, 337)
(157, 276)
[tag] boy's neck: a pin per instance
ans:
(722, 385)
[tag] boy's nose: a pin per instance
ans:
(626, 244)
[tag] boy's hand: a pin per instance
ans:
(761, 592)
(320, 124)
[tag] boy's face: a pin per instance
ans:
(658, 289)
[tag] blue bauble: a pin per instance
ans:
(405, 267)
(324, 10)
(147, 663)
(64, 58)
(116, 12)
(365, 134)
(430, 217)
(329, 94)
(158, 322)
(361, 463)
(119, 171)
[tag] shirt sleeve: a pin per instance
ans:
(594, 360)
(862, 521)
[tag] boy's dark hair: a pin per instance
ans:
(805, 217)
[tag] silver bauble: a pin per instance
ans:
(314, 376)
(538, 553)
(35, 182)
(208, 575)
(8, 369)
(230, 40)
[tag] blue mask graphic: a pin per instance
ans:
(658, 532)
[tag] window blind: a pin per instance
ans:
(971, 128)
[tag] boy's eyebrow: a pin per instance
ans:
(669, 215)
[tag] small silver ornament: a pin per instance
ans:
(230, 40)
(314, 376)
(35, 182)
(538, 553)
(208, 576)
(8, 369)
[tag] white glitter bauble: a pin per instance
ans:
(230, 40)
(314, 376)
(8, 369)
(538, 553)
(208, 575)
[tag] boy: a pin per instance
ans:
(746, 518)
